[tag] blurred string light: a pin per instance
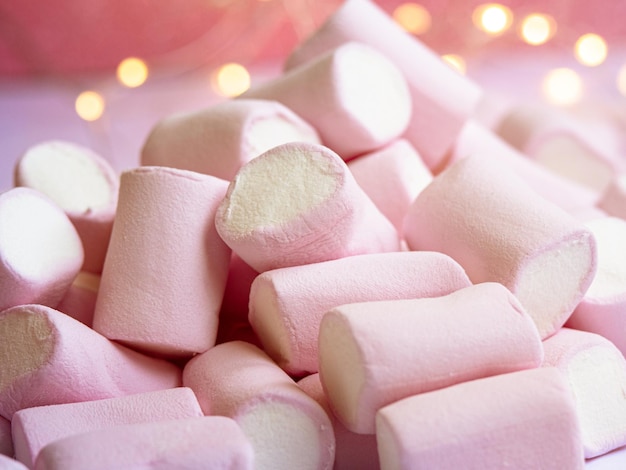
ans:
(89, 105)
(590, 50)
(562, 87)
(413, 18)
(537, 29)
(456, 62)
(132, 72)
(230, 80)
(492, 18)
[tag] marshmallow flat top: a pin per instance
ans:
(73, 176)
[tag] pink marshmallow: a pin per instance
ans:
(352, 450)
(500, 230)
(7, 463)
(353, 95)
(613, 199)
(40, 251)
(237, 290)
(50, 358)
(166, 269)
(603, 308)
(82, 183)
(374, 353)
(208, 442)
(219, 139)
(79, 301)
(441, 98)
(34, 428)
(519, 420)
(287, 428)
(392, 177)
(596, 372)
(6, 439)
(298, 204)
(287, 305)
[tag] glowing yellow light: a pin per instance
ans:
(132, 72)
(231, 80)
(562, 86)
(89, 105)
(455, 61)
(621, 80)
(413, 18)
(591, 50)
(537, 29)
(492, 18)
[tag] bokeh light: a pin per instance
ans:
(492, 18)
(231, 80)
(455, 61)
(562, 87)
(590, 50)
(89, 105)
(413, 18)
(537, 29)
(132, 72)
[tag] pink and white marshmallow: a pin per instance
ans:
(82, 183)
(500, 230)
(353, 95)
(441, 98)
(297, 204)
(596, 372)
(287, 428)
(165, 272)
(522, 419)
(374, 353)
(219, 139)
(50, 358)
(287, 305)
(35, 428)
(40, 251)
(79, 301)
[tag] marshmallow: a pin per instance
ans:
(50, 358)
(213, 442)
(287, 305)
(519, 420)
(500, 230)
(596, 372)
(237, 290)
(353, 95)
(479, 142)
(40, 251)
(287, 428)
(6, 439)
(82, 183)
(34, 428)
(441, 98)
(7, 463)
(374, 353)
(603, 308)
(352, 450)
(79, 301)
(166, 269)
(613, 199)
(297, 204)
(392, 177)
(219, 139)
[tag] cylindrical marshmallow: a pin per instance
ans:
(287, 428)
(519, 420)
(352, 450)
(40, 251)
(219, 139)
(353, 95)
(79, 301)
(6, 439)
(207, 442)
(441, 98)
(82, 183)
(392, 177)
(603, 308)
(50, 358)
(500, 230)
(166, 269)
(596, 372)
(613, 199)
(287, 305)
(34, 428)
(374, 353)
(297, 204)
(7, 463)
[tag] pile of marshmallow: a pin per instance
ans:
(341, 268)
